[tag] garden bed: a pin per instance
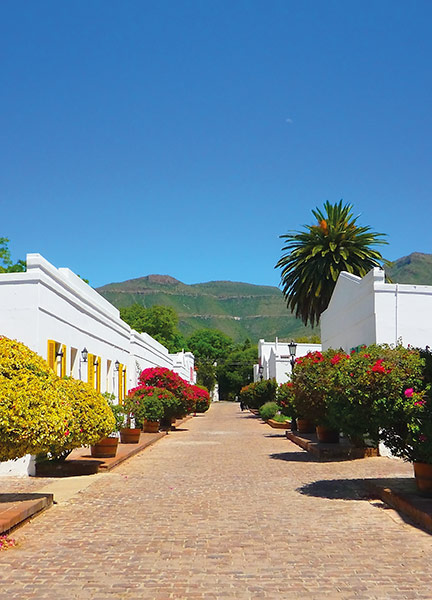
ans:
(344, 450)
(279, 424)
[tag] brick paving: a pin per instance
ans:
(224, 508)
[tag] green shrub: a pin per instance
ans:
(285, 399)
(256, 394)
(268, 410)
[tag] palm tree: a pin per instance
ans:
(312, 259)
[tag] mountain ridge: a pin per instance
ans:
(239, 309)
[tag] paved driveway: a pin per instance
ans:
(226, 508)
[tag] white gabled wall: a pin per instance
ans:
(275, 359)
(46, 303)
(367, 310)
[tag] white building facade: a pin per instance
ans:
(369, 311)
(56, 314)
(275, 360)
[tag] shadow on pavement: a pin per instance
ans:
(336, 489)
(299, 456)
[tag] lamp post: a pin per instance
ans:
(292, 347)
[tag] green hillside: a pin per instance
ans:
(240, 310)
(415, 268)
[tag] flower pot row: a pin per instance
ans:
(107, 447)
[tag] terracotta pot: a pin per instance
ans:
(305, 426)
(326, 435)
(105, 448)
(130, 436)
(151, 426)
(423, 477)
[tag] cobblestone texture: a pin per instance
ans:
(224, 508)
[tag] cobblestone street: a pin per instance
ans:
(224, 508)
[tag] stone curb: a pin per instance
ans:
(402, 495)
(342, 451)
(16, 508)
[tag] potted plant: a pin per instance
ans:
(312, 384)
(152, 412)
(145, 404)
(410, 435)
(367, 395)
(107, 446)
(130, 430)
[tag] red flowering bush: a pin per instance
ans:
(368, 390)
(201, 398)
(410, 436)
(313, 383)
(190, 398)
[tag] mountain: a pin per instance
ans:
(240, 310)
(415, 268)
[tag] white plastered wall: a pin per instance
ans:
(46, 303)
(367, 310)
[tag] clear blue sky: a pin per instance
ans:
(183, 137)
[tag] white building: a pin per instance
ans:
(56, 314)
(369, 311)
(275, 360)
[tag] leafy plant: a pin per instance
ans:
(285, 399)
(268, 410)
(258, 393)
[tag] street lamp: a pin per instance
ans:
(84, 354)
(292, 347)
(261, 371)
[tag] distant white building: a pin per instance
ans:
(369, 311)
(56, 314)
(275, 360)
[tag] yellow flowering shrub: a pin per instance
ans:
(39, 411)
(88, 417)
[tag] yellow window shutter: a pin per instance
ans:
(90, 369)
(51, 354)
(120, 383)
(124, 383)
(98, 374)
(63, 361)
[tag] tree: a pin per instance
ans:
(312, 259)
(6, 264)
(158, 321)
(236, 369)
(208, 346)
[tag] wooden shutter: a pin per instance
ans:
(120, 383)
(124, 383)
(63, 361)
(98, 374)
(90, 369)
(51, 354)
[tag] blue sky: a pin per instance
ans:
(183, 137)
